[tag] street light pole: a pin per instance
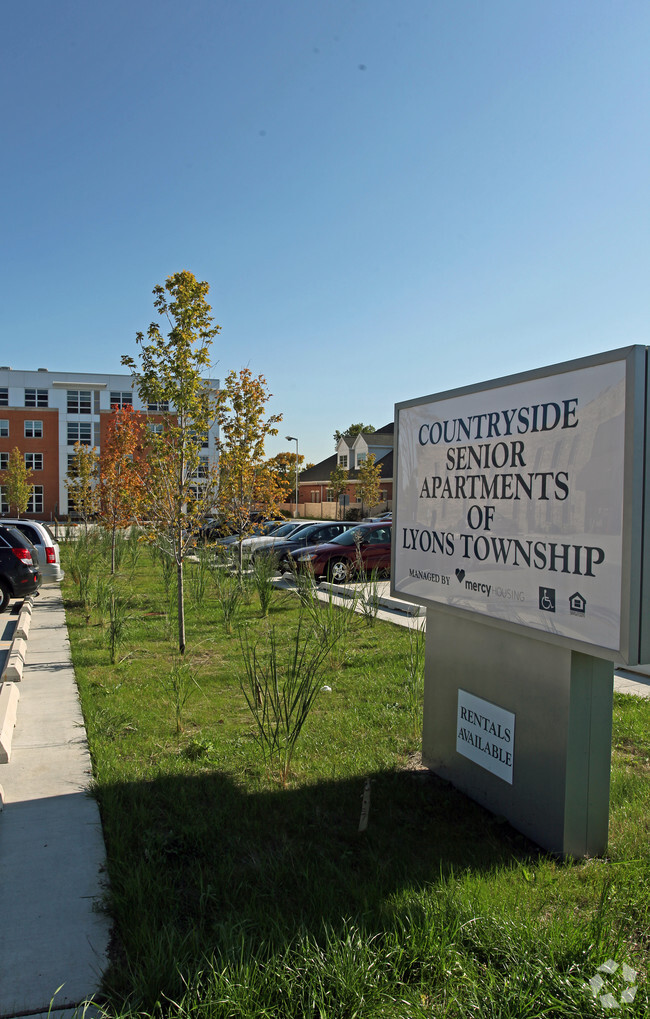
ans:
(292, 438)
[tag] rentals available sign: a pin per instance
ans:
(522, 500)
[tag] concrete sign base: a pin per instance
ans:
(523, 727)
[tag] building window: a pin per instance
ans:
(315, 496)
(35, 504)
(361, 457)
(79, 431)
(156, 428)
(36, 398)
(79, 401)
(33, 429)
(161, 406)
(343, 460)
(4, 505)
(4, 461)
(122, 399)
(34, 461)
(4, 396)
(329, 495)
(4, 428)
(202, 468)
(202, 439)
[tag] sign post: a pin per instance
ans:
(519, 524)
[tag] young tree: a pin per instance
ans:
(369, 481)
(283, 468)
(352, 431)
(81, 482)
(123, 470)
(18, 485)
(245, 481)
(338, 483)
(172, 371)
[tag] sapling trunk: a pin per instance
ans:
(181, 607)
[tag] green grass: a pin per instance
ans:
(233, 896)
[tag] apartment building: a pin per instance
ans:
(351, 451)
(43, 413)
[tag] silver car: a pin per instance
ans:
(46, 545)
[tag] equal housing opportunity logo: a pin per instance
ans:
(613, 985)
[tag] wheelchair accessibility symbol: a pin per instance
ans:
(547, 599)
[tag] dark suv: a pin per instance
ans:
(19, 574)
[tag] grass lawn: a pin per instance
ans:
(233, 894)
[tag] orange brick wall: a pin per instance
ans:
(306, 488)
(48, 445)
(105, 418)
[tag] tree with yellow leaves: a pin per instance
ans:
(369, 482)
(81, 481)
(246, 484)
(18, 483)
(172, 373)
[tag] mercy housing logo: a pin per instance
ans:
(615, 988)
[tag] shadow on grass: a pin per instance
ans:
(200, 868)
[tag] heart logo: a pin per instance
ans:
(460, 576)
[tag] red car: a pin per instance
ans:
(355, 552)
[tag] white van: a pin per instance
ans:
(47, 549)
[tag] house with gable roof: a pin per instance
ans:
(315, 495)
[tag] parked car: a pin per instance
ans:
(218, 529)
(255, 530)
(46, 545)
(281, 532)
(211, 529)
(311, 534)
(362, 549)
(19, 573)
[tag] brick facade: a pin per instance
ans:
(314, 482)
(41, 414)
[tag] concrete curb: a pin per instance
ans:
(24, 619)
(385, 601)
(16, 661)
(9, 698)
(13, 672)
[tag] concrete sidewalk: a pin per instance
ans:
(51, 843)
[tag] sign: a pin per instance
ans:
(521, 500)
(485, 734)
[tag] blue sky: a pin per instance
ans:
(388, 199)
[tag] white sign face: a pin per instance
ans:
(485, 733)
(510, 503)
